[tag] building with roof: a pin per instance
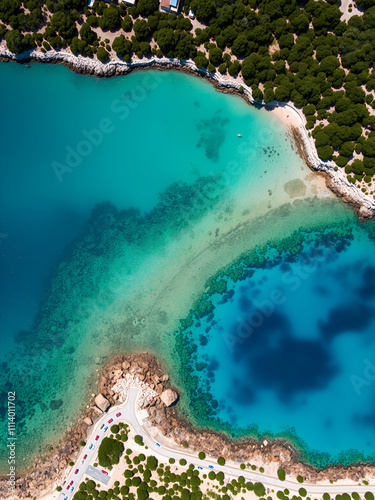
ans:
(170, 6)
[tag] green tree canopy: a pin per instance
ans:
(215, 56)
(64, 26)
(147, 7)
(110, 450)
(111, 19)
(141, 31)
(122, 46)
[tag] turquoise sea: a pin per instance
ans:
(119, 200)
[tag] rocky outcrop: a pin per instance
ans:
(145, 395)
(46, 473)
(102, 403)
(335, 179)
(169, 397)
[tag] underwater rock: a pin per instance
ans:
(55, 404)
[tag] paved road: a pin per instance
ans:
(127, 411)
(91, 448)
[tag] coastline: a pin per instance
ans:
(287, 112)
(283, 113)
(175, 431)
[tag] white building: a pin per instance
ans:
(170, 6)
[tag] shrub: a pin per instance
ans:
(259, 489)
(300, 479)
(138, 440)
(221, 461)
(302, 492)
(115, 428)
(220, 476)
(223, 68)
(90, 484)
(234, 68)
(151, 463)
(215, 56)
(201, 455)
(257, 94)
(82, 443)
(281, 474)
(58, 488)
(182, 461)
(325, 153)
(102, 55)
(242, 466)
(341, 161)
(71, 464)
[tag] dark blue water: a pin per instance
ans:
(291, 351)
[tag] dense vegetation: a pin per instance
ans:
(109, 452)
(303, 53)
(145, 477)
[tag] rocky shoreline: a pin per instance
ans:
(336, 180)
(47, 472)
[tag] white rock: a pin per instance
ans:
(101, 402)
(169, 397)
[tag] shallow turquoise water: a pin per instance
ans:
(179, 197)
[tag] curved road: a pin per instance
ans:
(127, 413)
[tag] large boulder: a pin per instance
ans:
(169, 397)
(101, 402)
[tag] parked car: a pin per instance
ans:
(200, 468)
(97, 437)
(72, 488)
(105, 428)
(118, 414)
(104, 472)
(158, 444)
(210, 466)
(76, 471)
(110, 420)
(102, 426)
(84, 456)
(92, 446)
